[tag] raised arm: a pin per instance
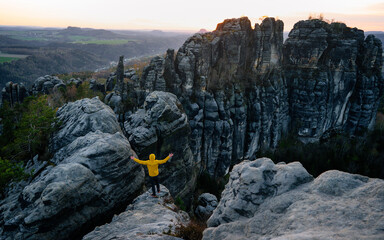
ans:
(138, 161)
(165, 159)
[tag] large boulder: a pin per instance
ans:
(145, 218)
(263, 200)
(89, 178)
(162, 128)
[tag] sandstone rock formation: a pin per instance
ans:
(263, 200)
(87, 180)
(115, 82)
(242, 88)
(334, 78)
(161, 128)
(231, 86)
(145, 218)
(14, 93)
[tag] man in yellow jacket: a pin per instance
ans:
(153, 170)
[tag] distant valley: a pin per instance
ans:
(27, 53)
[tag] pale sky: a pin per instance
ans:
(189, 15)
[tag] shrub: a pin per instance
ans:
(192, 231)
(31, 133)
(10, 171)
(180, 203)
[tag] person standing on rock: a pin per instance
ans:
(153, 170)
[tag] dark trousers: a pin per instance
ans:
(155, 181)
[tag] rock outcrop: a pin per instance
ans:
(242, 88)
(334, 78)
(14, 93)
(89, 177)
(46, 84)
(231, 85)
(145, 218)
(161, 128)
(115, 82)
(263, 200)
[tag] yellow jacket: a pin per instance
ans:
(152, 164)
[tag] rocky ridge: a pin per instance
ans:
(89, 177)
(334, 78)
(263, 200)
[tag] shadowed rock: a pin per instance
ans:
(14, 93)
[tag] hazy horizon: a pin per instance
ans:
(175, 16)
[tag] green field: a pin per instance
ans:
(7, 59)
(105, 42)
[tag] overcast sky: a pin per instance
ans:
(189, 15)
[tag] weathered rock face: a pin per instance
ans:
(161, 128)
(145, 218)
(14, 93)
(46, 84)
(231, 86)
(243, 89)
(153, 75)
(333, 76)
(90, 176)
(267, 201)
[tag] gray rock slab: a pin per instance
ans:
(281, 201)
(146, 218)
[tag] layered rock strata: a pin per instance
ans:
(334, 78)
